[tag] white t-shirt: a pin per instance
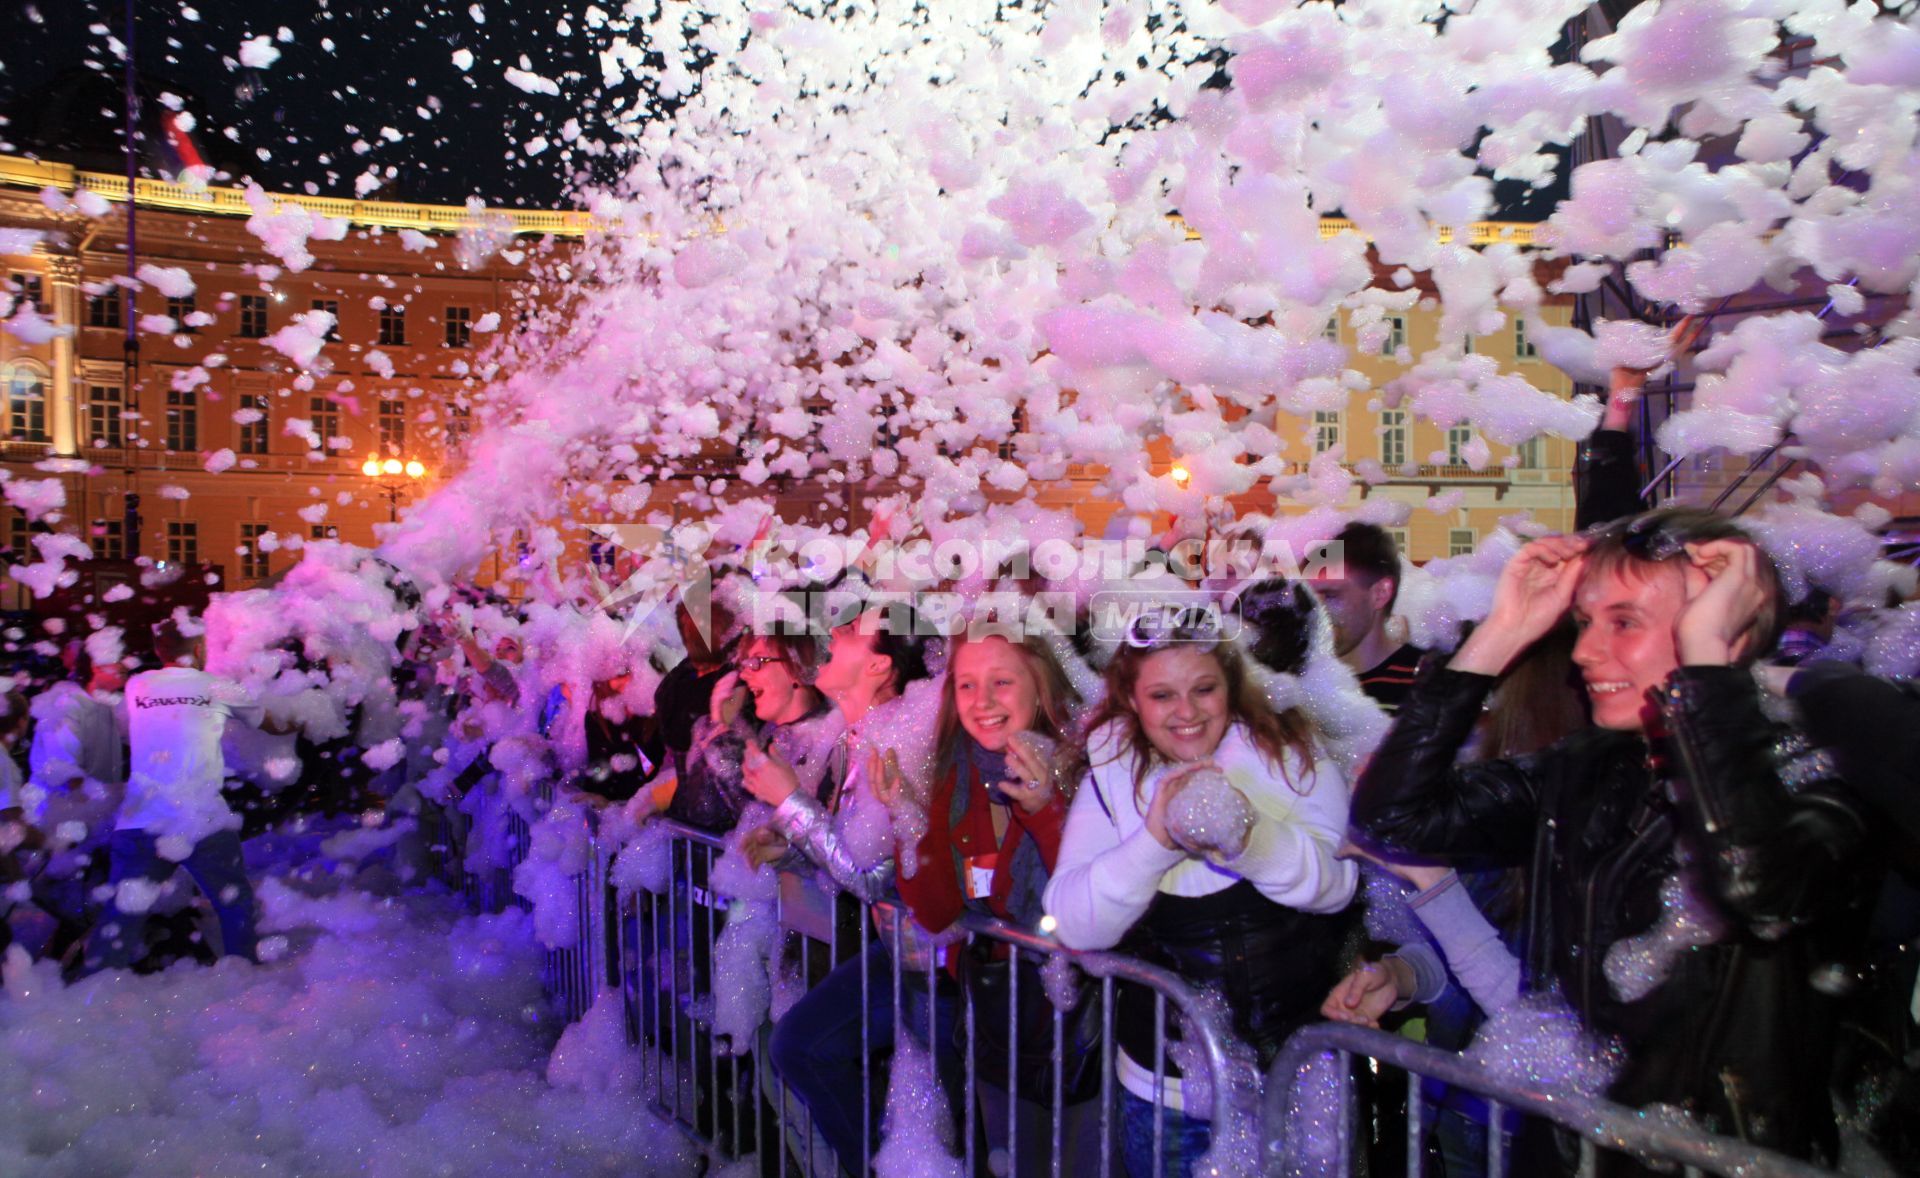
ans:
(175, 717)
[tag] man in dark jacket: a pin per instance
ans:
(1678, 777)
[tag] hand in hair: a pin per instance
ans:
(1534, 593)
(767, 775)
(1725, 597)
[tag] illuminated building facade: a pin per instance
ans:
(239, 455)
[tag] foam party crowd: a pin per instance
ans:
(597, 821)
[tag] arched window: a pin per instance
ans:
(26, 386)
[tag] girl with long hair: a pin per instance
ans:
(1243, 892)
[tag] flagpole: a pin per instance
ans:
(130, 304)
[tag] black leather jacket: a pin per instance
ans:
(1735, 1033)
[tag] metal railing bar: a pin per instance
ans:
(1606, 1124)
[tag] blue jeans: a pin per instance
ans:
(119, 939)
(816, 1047)
(1183, 1139)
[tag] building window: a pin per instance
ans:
(323, 532)
(325, 416)
(253, 433)
(1393, 438)
(1331, 331)
(459, 428)
(19, 535)
(103, 310)
(393, 428)
(1457, 439)
(1396, 335)
(26, 288)
(183, 542)
(331, 307)
(1460, 541)
(1400, 542)
(1523, 348)
(109, 539)
(1532, 453)
(26, 403)
(1466, 345)
(178, 310)
(459, 327)
(1326, 430)
(253, 558)
(105, 405)
(393, 326)
(183, 420)
(1007, 446)
(253, 316)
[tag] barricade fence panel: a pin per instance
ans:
(1015, 1110)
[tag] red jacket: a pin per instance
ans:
(937, 894)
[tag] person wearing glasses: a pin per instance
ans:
(845, 831)
(766, 700)
(1203, 837)
(1690, 868)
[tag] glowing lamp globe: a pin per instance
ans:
(371, 468)
(391, 466)
(416, 470)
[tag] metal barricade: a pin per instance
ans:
(1601, 1124)
(656, 951)
(725, 1095)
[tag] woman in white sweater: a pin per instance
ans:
(1233, 883)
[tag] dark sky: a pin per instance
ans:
(60, 85)
(387, 63)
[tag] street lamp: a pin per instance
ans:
(393, 476)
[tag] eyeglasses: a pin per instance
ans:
(757, 661)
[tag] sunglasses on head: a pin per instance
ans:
(1645, 539)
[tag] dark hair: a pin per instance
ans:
(1370, 549)
(1635, 546)
(800, 652)
(1538, 701)
(1281, 612)
(82, 672)
(169, 644)
(1273, 733)
(1814, 607)
(899, 638)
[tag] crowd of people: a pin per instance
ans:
(1622, 792)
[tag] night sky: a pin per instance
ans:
(388, 66)
(350, 70)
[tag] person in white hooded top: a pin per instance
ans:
(174, 813)
(1203, 838)
(77, 762)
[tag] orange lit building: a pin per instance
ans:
(395, 379)
(392, 380)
